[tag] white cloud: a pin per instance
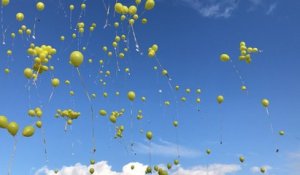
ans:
(164, 148)
(102, 168)
(212, 8)
(256, 169)
(214, 169)
(272, 7)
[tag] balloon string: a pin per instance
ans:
(45, 144)
(221, 129)
(34, 26)
(51, 95)
(107, 14)
(70, 19)
(91, 108)
(137, 47)
(131, 127)
(2, 27)
(237, 72)
(150, 153)
(12, 156)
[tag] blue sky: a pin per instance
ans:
(191, 35)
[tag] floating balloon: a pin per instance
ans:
(149, 135)
(262, 169)
(39, 124)
(55, 82)
(3, 122)
(242, 159)
(131, 95)
(102, 112)
(149, 4)
(76, 58)
(92, 170)
(40, 6)
(281, 133)
(12, 128)
(20, 16)
(28, 131)
(220, 99)
(265, 102)
(224, 57)
(5, 2)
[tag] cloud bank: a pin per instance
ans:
(103, 168)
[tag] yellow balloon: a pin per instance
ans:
(131, 95)
(155, 47)
(102, 112)
(71, 7)
(13, 128)
(118, 8)
(20, 16)
(224, 57)
(164, 72)
(149, 4)
(40, 6)
(220, 99)
(265, 102)
(137, 2)
(39, 124)
(144, 21)
(55, 82)
(28, 131)
(28, 73)
(5, 2)
(76, 58)
(149, 135)
(3, 121)
(132, 10)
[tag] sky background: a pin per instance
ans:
(191, 35)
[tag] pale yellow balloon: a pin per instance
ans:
(55, 82)
(131, 95)
(132, 10)
(20, 16)
(5, 2)
(149, 4)
(76, 58)
(220, 99)
(118, 8)
(224, 57)
(28, 73)
(13, 128)
(265, 102)
(3, 121)
(40, 6)
(28, 131)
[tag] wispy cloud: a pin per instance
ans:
(272, 7)
(214, 169)
(164, 148)
(256, 169)
(294, 161)
(103, 168)
(212, 8)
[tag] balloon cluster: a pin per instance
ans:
(69, 115)
(42, 56)
(12, 127)
(246, 52)
(115, 115)
(152, 50)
